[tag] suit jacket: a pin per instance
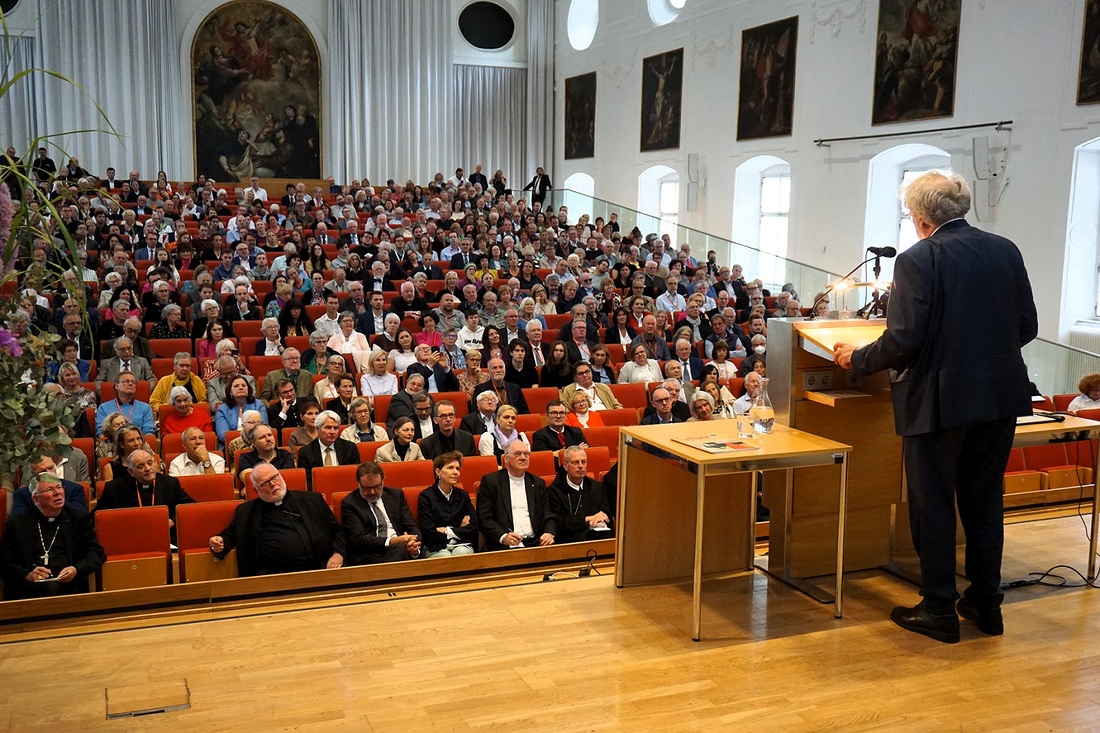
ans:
(401, 405)
(434, 510)
(109, 369)
(445, 379)
(365, 322)
(571, 507)
(696, 365)
(20, 544)
(245, 532)
(233, 312)
(607, 397)
(538, 186)
(292, 419)
(513, 392)
(472, 424)
(121, 493)
(546, 439)
(21, 502)
(309, 457)
(651, 418)
(457, 262)
(464, 443)
(360, 527)
(370, 285)
(494, 507)
(400, 306)
(476, 178)
(303, 383)
(337, 405)
(946, 372)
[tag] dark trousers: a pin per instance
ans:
(966, 464)
(393, 553)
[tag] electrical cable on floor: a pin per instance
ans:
(1062, 581)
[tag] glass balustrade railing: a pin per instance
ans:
(773, 270)
(1054, 367)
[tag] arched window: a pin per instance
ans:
(584, 16)
(761, 208)
(580, 188)
(1081, 289)
(887, 223)
(659, 200)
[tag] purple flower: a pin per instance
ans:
(9, 343)
(7, 211)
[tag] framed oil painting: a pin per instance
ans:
(256, 79)
(765, 106)
(1088, 82)
(662, 96)
(915, 56)
(580, 116)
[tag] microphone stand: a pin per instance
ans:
(828, 290)
(873, 310)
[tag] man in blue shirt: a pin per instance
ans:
(136, 412)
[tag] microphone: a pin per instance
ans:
(883, 251)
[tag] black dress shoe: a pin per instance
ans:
(989, 620)
(941, 627)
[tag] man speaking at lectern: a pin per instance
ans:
(958, 385)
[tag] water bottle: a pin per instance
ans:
(761, 412)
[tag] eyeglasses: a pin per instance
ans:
(448, 416)
(557, 413)
(41, 490)
(269, 483)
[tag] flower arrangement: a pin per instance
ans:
(32, 420)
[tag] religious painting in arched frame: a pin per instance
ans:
(256, 81)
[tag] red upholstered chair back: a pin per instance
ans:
(133, 531)
(217, 487)
(336, 500)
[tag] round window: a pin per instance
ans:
(584, 16)
(486, 25)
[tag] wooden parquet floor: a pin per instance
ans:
(581, 655)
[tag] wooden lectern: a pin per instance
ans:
(810, 393)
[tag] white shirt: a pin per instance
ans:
(328, 326)
(594, 401)
(374, 385)
(272, 348)
(673, 302)
(380, 511)
(521, 514)
(1082, 402)
(427, 427)
(181, 465)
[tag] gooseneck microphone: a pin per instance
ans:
(876, 253)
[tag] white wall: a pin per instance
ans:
(1018, 60)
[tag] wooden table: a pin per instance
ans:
(1026, 435)
(662, 523)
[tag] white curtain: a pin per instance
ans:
(123, 54)
(540, 90)
(389, 106)
(17, 106)
(490, 120)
